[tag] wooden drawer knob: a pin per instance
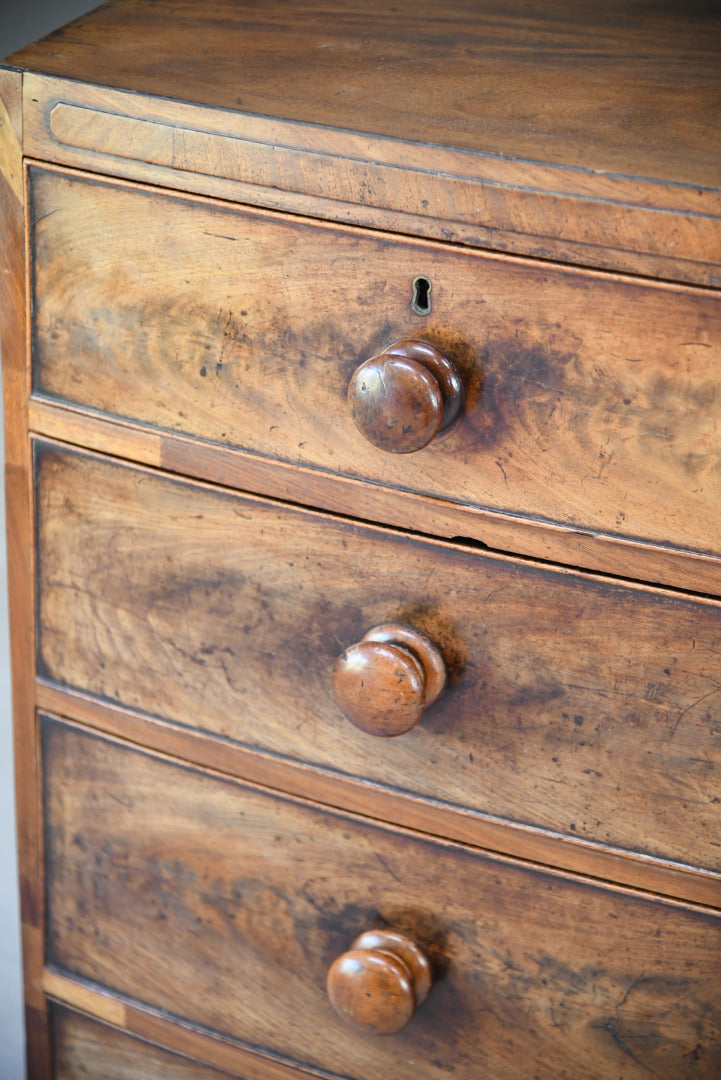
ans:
(378, 984)
(402, 398)
(385, 682)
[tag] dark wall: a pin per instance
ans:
(23, 21)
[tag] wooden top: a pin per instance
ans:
(630, 87)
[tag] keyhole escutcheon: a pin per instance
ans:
(421, 299)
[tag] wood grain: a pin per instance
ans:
(18, 524)
(578, 216)
(226, 613)
(566, 545)
(204, 862)
(630, 89)
(199, 1046)
(163, 877)
(570, 853)
(103, 1006)
(591, 401)
(87, 1049)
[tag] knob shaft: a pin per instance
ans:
(378, 984)
(402, 398)
(385, 682)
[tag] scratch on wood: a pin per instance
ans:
(219, 236)
(693, 706)
(622, 1045)
(385, 866)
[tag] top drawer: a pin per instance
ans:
(590, 400)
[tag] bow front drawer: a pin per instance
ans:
(538, 695)
(232, 908)
(582, 399)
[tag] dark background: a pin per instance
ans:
(23, 21)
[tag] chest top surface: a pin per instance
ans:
(625, 88)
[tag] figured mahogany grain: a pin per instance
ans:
(590, 400)
(162, 876)
(226, 613)
(197, 1045)
(581, 721)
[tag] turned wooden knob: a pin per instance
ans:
(385, 682)
(378, 984)
(402, 398)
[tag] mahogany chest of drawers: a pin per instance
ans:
(363, 426)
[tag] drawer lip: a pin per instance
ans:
(136, 1019)
(84, 724)
(529, 845)
(628, 223)
(228, 1060)
(564, 546)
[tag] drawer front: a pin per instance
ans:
(226, 613)
(590, 400)
(85, 1049)
(224, 905)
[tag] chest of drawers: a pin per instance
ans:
(363, 432)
